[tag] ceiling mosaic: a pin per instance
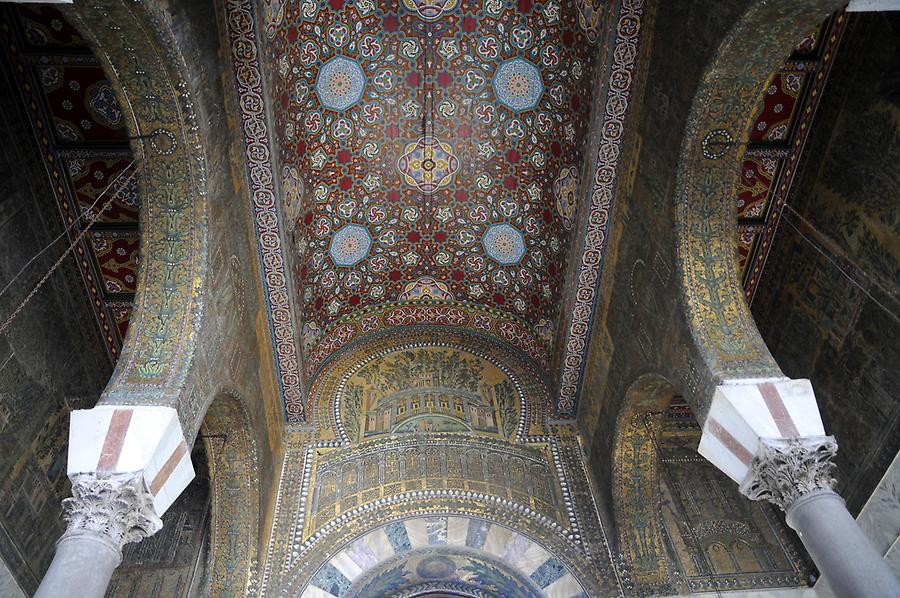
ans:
(776, 141)
(430, 154)
(81, 132)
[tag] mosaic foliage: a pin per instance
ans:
(430, 390)
(440, 129)
(677, 513)
(724, 104)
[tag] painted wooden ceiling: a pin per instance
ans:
(431, 156)
(80, 130)
(777, 139)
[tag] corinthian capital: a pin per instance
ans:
(116, 506)
(786, 469)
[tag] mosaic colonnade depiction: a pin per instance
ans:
(449, 426)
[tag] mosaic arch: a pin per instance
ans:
(467, 200)
(157, 106)
(443, 553)
(713, 538)
(234, 523)
(717, 131)
(398, 536)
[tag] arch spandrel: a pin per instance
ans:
(141, 56)
(717, 129)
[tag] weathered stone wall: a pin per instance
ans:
(52, 358)
(827, 305)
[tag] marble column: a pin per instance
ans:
(105, 512)
(796, 475)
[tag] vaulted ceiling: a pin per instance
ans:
(431, 159)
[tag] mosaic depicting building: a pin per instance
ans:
(450, 298)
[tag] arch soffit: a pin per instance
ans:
(235, 500)
(140, 55)
(717, 129)
(542, 555)
(635, 490)
(327, 390)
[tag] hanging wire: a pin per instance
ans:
(92, 218)
(824, 254)
(69, 228)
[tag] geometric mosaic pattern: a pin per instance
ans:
(533, 572)
(81, 132)
(437, 127)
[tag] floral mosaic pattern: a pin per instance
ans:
(509, 88)
(428, 164)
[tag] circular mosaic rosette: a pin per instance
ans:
(340, 84)
(428, 164)
(518, 85)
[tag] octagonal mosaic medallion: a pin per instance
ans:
(518, 85)
(504, 243)
(350, 245)
(340, 83)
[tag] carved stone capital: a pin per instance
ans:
(116, 506)
(787, 468)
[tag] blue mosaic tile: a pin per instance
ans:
(331, 580)
(477, 533)
(397, 536)
(548, 572)
(437, 530)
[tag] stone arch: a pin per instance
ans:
(407, 556)
(675, 512)
(140, 53)
(635, 480)
(235, 497)
(721, 325)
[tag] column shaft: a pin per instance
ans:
(82, 566)
(843, 554)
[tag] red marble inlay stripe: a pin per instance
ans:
(163, 475)
(730, 442)
(779, 411)
(115, 439)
